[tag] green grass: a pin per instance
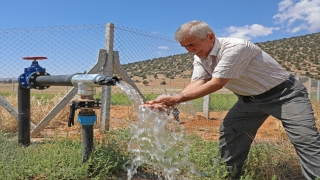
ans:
(35, 95)
(6, 94)
(62, 159)
(219, 102)
(56, 159)
(313, 96)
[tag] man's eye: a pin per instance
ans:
(189, 46)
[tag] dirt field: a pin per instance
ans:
(208, 129)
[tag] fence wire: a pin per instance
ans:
(74, 49)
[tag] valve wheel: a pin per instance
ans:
(34, 58)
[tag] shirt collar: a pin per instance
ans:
(216, 47)
(214, 51)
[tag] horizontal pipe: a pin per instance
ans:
(59, 80)
(87, 79)
(91, 80)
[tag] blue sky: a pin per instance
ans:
(255, 20)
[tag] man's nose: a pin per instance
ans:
(190, 50)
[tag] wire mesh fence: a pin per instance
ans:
(74, 49)
(136, 46)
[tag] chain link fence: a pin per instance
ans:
(74, 49)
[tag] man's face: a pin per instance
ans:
(197, 46)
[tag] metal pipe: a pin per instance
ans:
(23, 116)
(59, 80)
(91, 80)
(87, 79)
(87, 141)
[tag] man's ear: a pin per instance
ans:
(211, 37)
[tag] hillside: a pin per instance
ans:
(299, 54)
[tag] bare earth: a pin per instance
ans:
(207, 129)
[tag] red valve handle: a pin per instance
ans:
(35, 58)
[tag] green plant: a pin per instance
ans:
(205, 154)
(268, 160)
(54, 159)
(163, 83)
(60, 158)
(145, 82)
(110, 154)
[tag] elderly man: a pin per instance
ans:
(263, 89)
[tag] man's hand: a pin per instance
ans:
(166, 102)
(157, 106)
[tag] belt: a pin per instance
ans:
(268, 93)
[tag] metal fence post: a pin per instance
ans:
(206, 106)
(318, 90)
(107, 70)
(297, 76)
(309, 87)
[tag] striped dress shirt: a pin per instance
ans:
(250, 70)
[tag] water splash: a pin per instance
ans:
(156, 141)
(132, 94)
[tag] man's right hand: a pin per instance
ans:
(157, 106)
(166, 101)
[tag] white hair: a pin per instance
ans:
(198, 29)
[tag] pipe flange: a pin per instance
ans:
(32, 80)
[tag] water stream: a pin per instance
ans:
(156, 141)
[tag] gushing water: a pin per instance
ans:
(132, 94)
(156, 141)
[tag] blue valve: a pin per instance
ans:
(32, 72)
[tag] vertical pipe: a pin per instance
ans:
(87, 141)
(23, 116)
